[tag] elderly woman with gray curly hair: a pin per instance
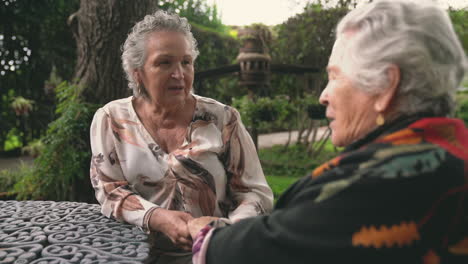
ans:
(164, 155)
(398, 193)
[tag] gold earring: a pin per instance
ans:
(380, 120)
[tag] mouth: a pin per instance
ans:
(176, 88)
(330, 120)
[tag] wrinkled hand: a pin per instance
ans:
(196, 224)
(174, 225)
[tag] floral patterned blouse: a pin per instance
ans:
(216, 171)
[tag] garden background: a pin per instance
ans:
(53, 78)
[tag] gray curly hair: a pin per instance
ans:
(417, 37)
(134, 49)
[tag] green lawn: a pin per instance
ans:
(282, 167)
(280, 183)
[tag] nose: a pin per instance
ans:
(324, 97)
(178, 72)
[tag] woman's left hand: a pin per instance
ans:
(196, 224)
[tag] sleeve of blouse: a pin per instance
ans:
(247, 183)
(115, 194)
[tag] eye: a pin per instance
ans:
(186, 62)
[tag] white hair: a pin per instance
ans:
(418, 38)
(134, 49)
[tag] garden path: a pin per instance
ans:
(280, 138)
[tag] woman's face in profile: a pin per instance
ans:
(167, 73)
(350, 110)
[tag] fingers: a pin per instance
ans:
(182, 239)
(184, 243)
(194, 226)
(174, 225)
(186, 217)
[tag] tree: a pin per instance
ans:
(100, 29)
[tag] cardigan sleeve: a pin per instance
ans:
(362, 217)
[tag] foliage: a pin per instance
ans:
(62, 168)
(34, 148)
(197, 12)
(21, 105)
(305, 39)
(9, 177)
(459, 19)
(462, 108)
(12, 140)
(34, 36)
(281, 113)
(294, 160)
(265, 113)
(216, 50)
(283, 166)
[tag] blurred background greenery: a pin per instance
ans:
(43, 115)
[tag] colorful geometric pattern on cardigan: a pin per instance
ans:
(398, 195)
(420, 148)
(403, 234)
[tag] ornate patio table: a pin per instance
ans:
(66, 232)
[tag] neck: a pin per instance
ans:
(166, 115)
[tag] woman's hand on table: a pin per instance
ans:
(174, 225)
(196, 224)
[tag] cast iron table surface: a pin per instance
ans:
(66, 232)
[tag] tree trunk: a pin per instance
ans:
(100, 28)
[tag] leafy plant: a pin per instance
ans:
(22, 106)
(196, 11)
(62, 168)
(9, 177)
(34, 148)
(265, 113)
(12, 140)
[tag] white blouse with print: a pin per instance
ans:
(216, 171)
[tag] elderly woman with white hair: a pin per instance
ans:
(164, 155)
(399, 191)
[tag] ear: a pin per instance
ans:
(384, 99)
(136, 76)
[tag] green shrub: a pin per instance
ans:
(9, 177)
(34, 148)
(61, 171)
(216, 50)
(265, 113)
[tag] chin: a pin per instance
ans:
(336, 141)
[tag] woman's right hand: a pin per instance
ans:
(174, 225)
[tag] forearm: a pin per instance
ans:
(119, 202)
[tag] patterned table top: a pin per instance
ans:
(66, 232)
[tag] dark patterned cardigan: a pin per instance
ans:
(398, 196)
